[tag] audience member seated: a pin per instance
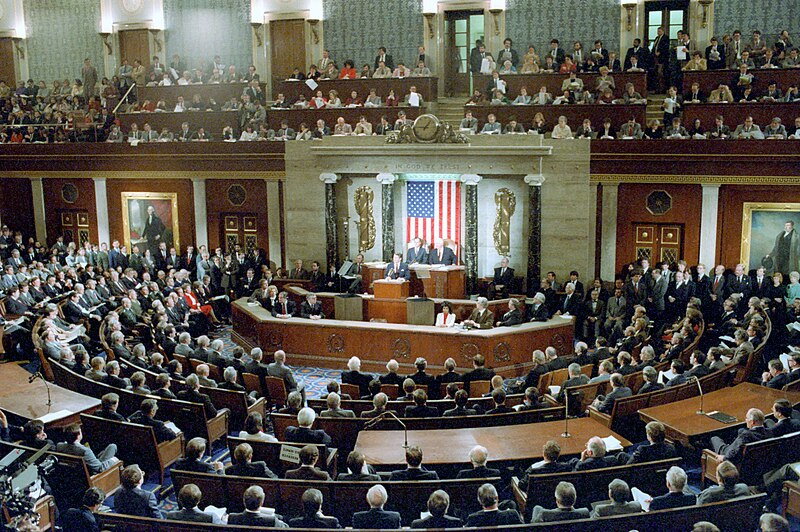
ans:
(304, 433)
(391, 376)
(565, 510)
(108, 408)
(83, 518)
(461, 400)
(357, 469)
(193, 459)
(309, 455)
(728, 487)
(605, 403)
(376, 516)
(189, 497)
(146, 416)
(334, 402)
(94, 463)
(243, 465)
(491, 515)
(678, 496)
(312, 513)
(478, 456)
(438, 504)
(593, 456)
(131, 499)
(755, 431)
(193, 395)
(620, 501)
(414, 469)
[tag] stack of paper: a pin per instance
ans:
(612, 444)
(642, 498)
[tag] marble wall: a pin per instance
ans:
(767, 16)
(537, 21)
(355, 30)
(200, 29)
(60, 35)
(488, 258)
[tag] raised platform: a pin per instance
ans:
(330, 343)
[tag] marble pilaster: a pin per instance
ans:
(534, 181)
(387, 213)
(471, 230)
(331, 234)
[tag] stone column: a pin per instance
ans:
(387, 213)
(708, 226)
(608, 246)
(535, 182)
(200, 212)
(471, 230)
(39, 219)
(331, 235)
(101, 207)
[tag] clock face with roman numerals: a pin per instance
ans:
(426, 128)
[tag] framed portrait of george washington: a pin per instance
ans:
(149, 218)
(771, 236)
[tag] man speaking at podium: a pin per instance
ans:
(398, 269)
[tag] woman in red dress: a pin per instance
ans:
(196, 305)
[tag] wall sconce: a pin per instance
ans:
(629, 8)
(156, 40)
(257, 32)
(313, 23)
(429, 20)
(105, 35)
(495, 11)
(705, 4)
(18, 46)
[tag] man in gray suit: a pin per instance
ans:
(605, 403)
(96, 464)
(334, 407)
(188, 498)
(748, 130)
(616, 311)
(657, 295)
(565, 511)
(620, 495)
(280, 369)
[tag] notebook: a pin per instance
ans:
(722, 417)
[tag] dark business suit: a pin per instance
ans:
(251, 469)
(401, 272)
(502, 277)
(137, 502)
(417, 255)
(446, 257)
(287, 307)
(193, 515)
(652, 453)
(672, 500)
(80, 520)
(444, 521)
(478, 472)
(733, 451)
(512, 317)
(413, 474)
(193, 396)
(255, 519)
(607, 404)
(421, 411)
(305, 435)
(307, 473)
(494, 518)
(542, 515)
(376, 518)
(314, 521)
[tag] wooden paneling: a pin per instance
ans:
(16, 206)
(218, 205)
(183, 187)
(55, 204)
(287, 38)
(632, 209)
(7, 71)
(221, 92)
(731, 202)
(135, 44)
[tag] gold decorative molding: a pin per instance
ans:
(505, 205)
(363, 200)
(692, 179)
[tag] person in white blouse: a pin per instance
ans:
(254, 428)
(562, 130)
(445, 318)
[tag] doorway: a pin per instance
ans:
(240, 229)
(672, 15)
(135, 44)
(286, 54)
(658, 242)
(462, 29)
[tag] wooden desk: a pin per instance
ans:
(445, 282)
(710, 79)
(220, 92)
(685, 426)
(212, 121)
(330, 343)
(295, 117)
(735, 113)
(553, 82)
(29, 401)
(518, 443)
(391, 289)
(619, 114)
(427, 87)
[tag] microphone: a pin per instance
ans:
(35, 376)
(700, 412)
(566, 433)
(390, 414)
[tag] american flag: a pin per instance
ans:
(434, 210)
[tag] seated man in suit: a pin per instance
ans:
(755, 431)
(193, 459)
(442, 253)
(501, 283)
(379, 406)
(438, 503)
(308, 469)
(593, 456)
(311, 309)
(398, 269)
(576, 378)
(353, 375)
(131, 499)
(188, 498)
(479, 455)
(620, 503)
(83, 518)
(96, 464)
(550, 464)
(676, 497)
(657, 449)
(539, 310)
(243, 465)
(193, 395)
(108, 408)
(376, 516)
(334, 402)
(146, 416)
(565, 506)
(417, 253)
(414, 471)
(605, 403)
(728, 486)
(776, 378)
(571, 304)
(312, 513)
(479, 372)
(304, 433)
(253, 516)
(481, 317)
(461, 399)
(513, 316)
(284, 308)
(782, 410)
(491, 515)
(391, 376)
(420, 408)
(357, 470)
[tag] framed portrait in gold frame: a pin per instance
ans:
(135, 219)
(770, 236)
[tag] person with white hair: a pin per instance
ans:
(481, 317)
(478, 456)
(303, 433)
(619, 494)
(376, 517)
(593, 456)
(391, 376)
(678, 496)
(202, 371)
(335, 409)
(539, 310)
(279, 369)
(354, 376)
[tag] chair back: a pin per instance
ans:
(479, 388)
(276, 390)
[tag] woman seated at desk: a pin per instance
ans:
(445, 318)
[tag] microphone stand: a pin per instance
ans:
(38, 375)
(700, 412)
(566, 433)
(390, 414)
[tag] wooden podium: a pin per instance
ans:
(350, 308)
(420, 311)
(390, 289)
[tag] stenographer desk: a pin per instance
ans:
(331, 342)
